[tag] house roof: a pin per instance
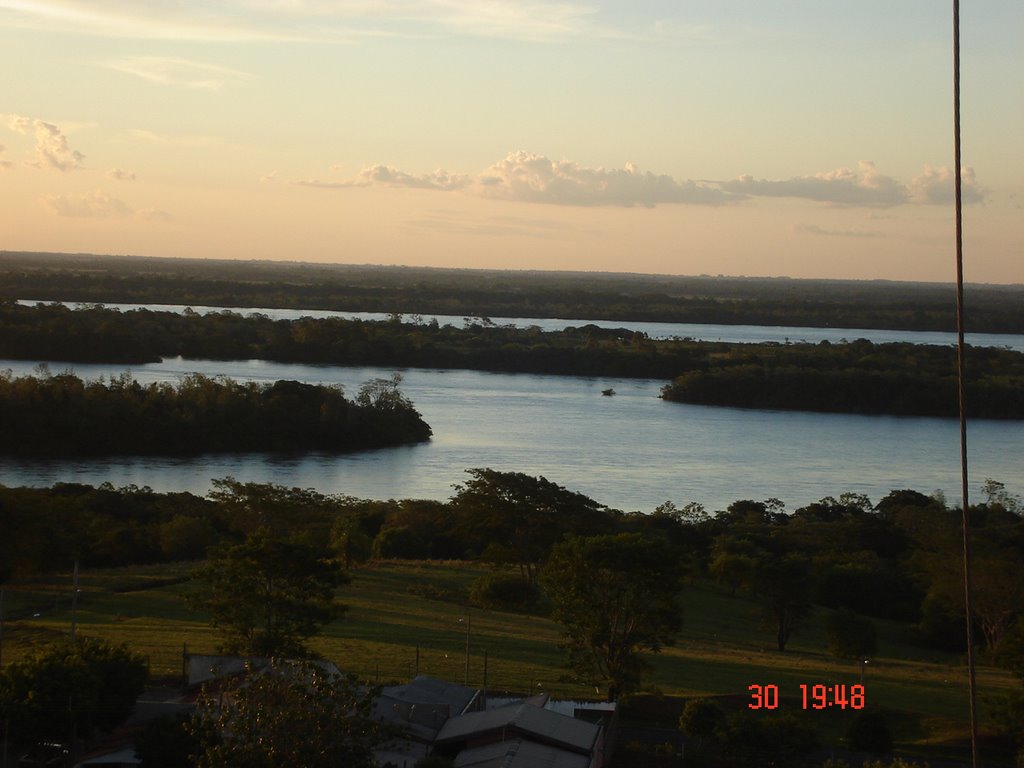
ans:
(529, 721)
(519, 754)
(121, 757)
(400, 752)
(423, 705)
(424, 689)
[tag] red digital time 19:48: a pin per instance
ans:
(824, 696)
(811, 696)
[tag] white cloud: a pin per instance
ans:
(95, 204)
(527, 177)
(52, 150)
(392, 177)
(182, 73)
(120, 175)
(4, 163)
(310, 20)
(127, 18)
(866, 187)
(439, 179)
(814, 229)
(535, 178)
(843, 186)
(936, 186)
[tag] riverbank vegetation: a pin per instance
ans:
(62, 415)
(892, 564)
(854, 377)
(585, 295)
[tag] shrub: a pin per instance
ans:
(401, 543)
(505, 592)
(850, 636)
(702, 718)
(870, 733)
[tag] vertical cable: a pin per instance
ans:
(961, 377)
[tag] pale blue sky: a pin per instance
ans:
(734, 137)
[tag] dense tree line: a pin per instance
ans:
(598, 296)
(858, 377)
(97, 334)
(62, 415)
(892, 560)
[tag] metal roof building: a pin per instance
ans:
(519, 754)
(550, 738)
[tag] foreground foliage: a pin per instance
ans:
(289, 715)
(69, 690)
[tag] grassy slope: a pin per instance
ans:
(396, 607)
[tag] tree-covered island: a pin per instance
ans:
(856, 377)
(62, 415)
(898, 379)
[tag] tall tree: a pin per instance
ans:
(269, 594)
(249, 506)
(289, 715)
(70, 690)
(522, 517)
(783, 587)
(615, 596)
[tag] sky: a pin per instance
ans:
(801, 138)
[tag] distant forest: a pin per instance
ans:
(857, 377)
(492, 293)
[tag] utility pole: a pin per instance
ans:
(469, 624)
(485, 678)
(74, 603)
(961, 384)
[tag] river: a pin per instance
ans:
(631, 451)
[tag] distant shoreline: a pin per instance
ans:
(773, 301)
(856, 377)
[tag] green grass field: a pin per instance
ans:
(405, 617)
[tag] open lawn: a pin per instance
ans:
(405, 617)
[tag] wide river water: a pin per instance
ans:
(631, 451)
